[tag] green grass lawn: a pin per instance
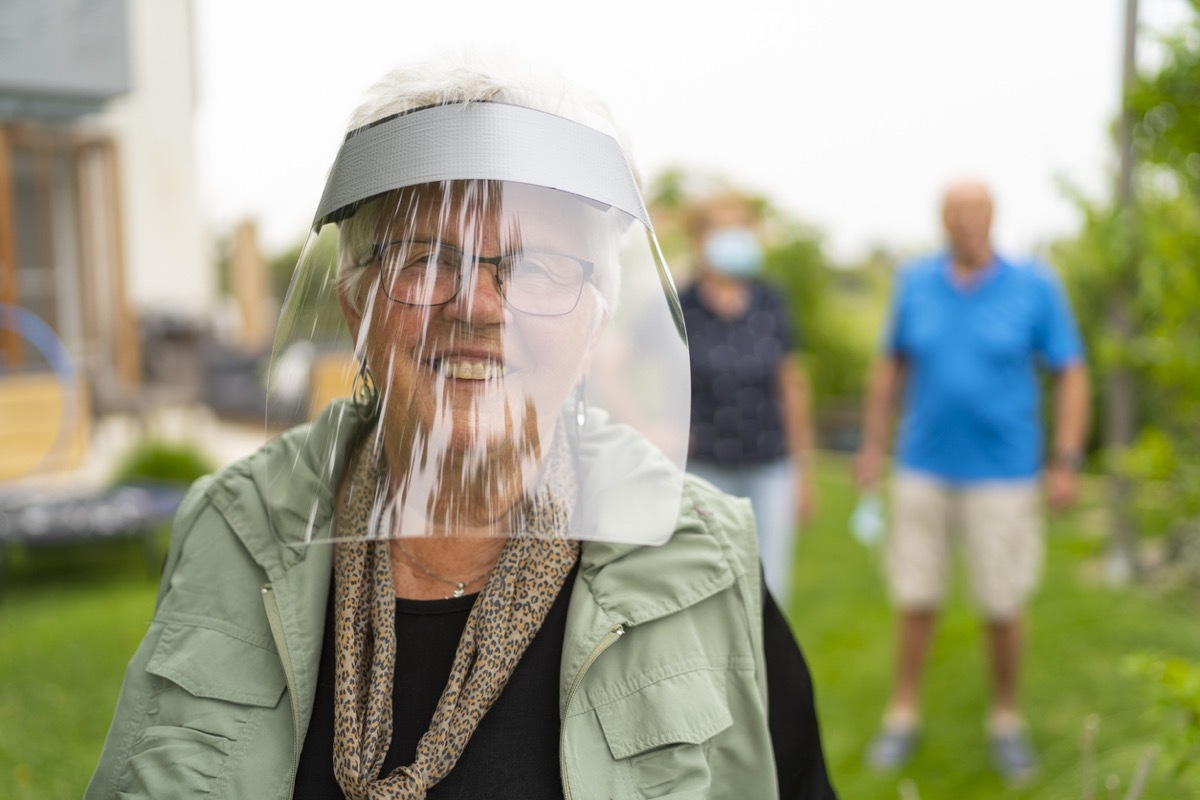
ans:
(69, 621)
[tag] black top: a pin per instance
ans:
(736, 414)
(498, 764)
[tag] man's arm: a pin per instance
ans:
(1072, 405)
(796, 405)
(885, 381)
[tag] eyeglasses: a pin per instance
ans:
(538, 282)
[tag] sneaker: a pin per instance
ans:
(892, 748)
(1012, 755)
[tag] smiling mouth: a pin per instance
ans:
(469, 369)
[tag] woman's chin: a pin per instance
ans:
(475, 426)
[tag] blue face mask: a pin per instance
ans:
(733, 251)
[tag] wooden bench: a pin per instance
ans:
(44, 433)
(43, 424)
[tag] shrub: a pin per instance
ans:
(161, 461)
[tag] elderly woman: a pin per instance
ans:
(471, 581)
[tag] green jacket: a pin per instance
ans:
(662, 689)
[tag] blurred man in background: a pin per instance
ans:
(968, 331)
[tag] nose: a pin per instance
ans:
(480, 298)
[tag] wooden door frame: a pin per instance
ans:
(122, 350)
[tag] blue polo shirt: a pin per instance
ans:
(972, 405)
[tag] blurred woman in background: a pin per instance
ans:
(751, 422)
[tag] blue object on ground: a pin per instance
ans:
(1012, 755)
(892, 748)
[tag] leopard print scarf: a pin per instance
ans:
(524, 583)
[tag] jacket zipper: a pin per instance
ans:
(610, 637)
(289, 675)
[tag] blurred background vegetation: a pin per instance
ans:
(154, 460)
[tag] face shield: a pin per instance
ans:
(483, 284)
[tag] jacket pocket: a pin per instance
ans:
(211, 664)
(662, 733)
(210, 693)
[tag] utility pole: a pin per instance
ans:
(1120, 389)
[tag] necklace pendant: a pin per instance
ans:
(459, 589)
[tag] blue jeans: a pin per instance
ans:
(770, 487)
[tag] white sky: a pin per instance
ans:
(849, 114)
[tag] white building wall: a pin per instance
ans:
(167, 256)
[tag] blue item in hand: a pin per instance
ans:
(867, 522)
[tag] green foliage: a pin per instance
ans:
(668, 190)
(1174, 686)
(826, 306)
(280, 268)
(161, 461)
(221, 247)
(1161, 352)
(1149, 257)
(310, 302)
(1167, 105)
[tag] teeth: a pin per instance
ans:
(471, 370)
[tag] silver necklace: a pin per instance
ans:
(460, 587)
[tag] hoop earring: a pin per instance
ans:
(581, 406)
(365, 393)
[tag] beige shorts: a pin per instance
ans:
(998, 527)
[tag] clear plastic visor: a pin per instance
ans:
(489, 358)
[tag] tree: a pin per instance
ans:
(1161, 235)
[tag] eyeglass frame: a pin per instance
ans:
(377, 250)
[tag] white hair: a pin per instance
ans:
(463, 79)
(471, 78)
